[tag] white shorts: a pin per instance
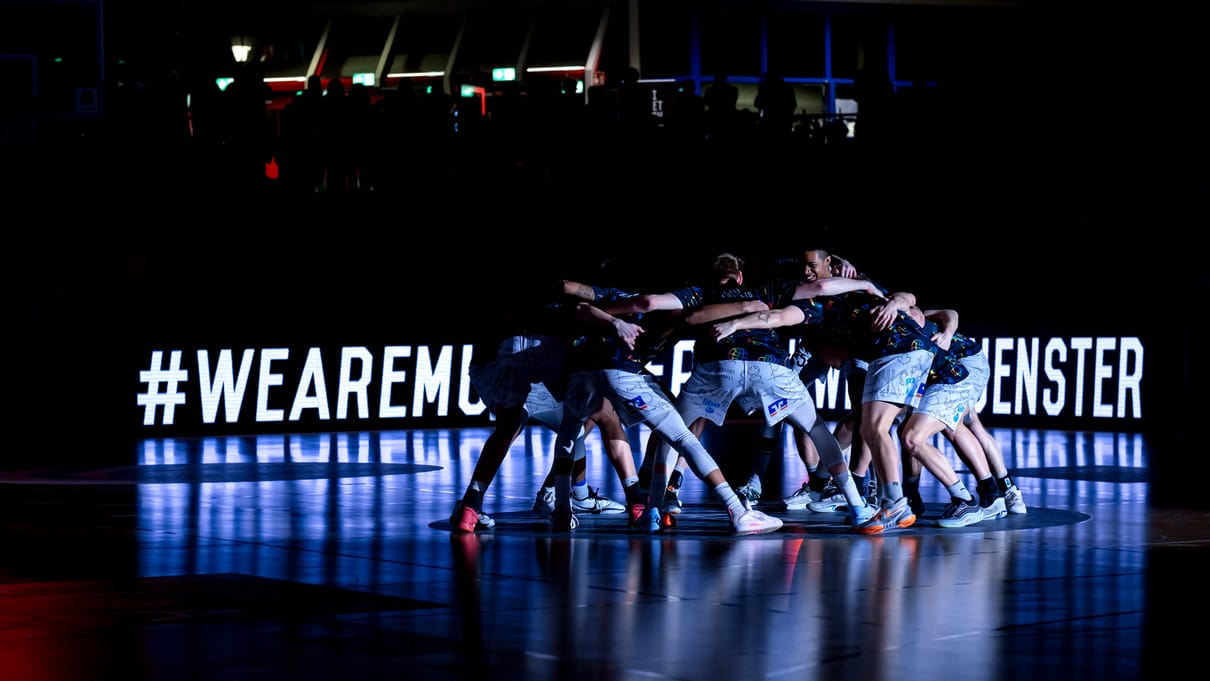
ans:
(638, 398)
(773, 389)
(542, 406)
(897, 378)
(506, 381)
(979, 373)
(946, 403)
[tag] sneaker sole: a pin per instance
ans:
(759, 530)
(597, 510)
(953, 524)
(880, 528)
(832, 508)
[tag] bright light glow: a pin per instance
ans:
(508, 73)
(366, 79)
(287, 79)
(222, 83)
(417, 74)
(241, 52)
(548, 69)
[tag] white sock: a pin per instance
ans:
(580, 490)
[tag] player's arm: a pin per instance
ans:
(646, 302)
(590, 314)
(578, 290)
(947, 324)
(768, 319)
(716, 311)
(834, 286)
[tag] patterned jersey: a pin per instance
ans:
(845, 319)
(759, 345)
(596, 348)
(960, 345)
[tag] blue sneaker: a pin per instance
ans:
(655, 520)
(893, 515)
(860, 514)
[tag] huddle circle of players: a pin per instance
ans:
(572, 355)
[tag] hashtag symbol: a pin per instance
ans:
(155, 376)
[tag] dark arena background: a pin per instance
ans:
(238, 339)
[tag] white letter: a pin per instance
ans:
(313, 374)
(266, 381)
(1101, 372)
(1055, 348)
(682, 357)
(1027, 372)
(1080, 345)
(1130, 381)
(389, 378)
(222, 388)
(1000, 370)
(432, 382)
(464, 386)
(359, 387)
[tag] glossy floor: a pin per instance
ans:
(330, 557)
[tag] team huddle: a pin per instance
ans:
(572, 356)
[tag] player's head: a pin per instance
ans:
(728, 267)
(817, 264)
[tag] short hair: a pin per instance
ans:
(727, 266)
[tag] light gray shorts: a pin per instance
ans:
(897, 378)
(521, 361)
(946, 403)
(773, 389)
(638, 398)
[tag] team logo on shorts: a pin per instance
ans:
(958, 416)
(638, 403)
(778, 407)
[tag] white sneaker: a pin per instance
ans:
(995, 509)
(830, 501)
(595, 503)
(751, 521)
(563, 521)
(752, 494)
(800, 498)
(1012, 499)
(960, 513)
(544, 504)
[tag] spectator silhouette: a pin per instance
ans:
(247, 136)
(776, 102)
(299, 151)
(721, 100)
(874, 92)
(395, 123)
(634, 106)
(360, 137)
(685, 116)
(335, 131)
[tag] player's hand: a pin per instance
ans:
(723, 329)
(628, 332)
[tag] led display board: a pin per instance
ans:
(1093, 381)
